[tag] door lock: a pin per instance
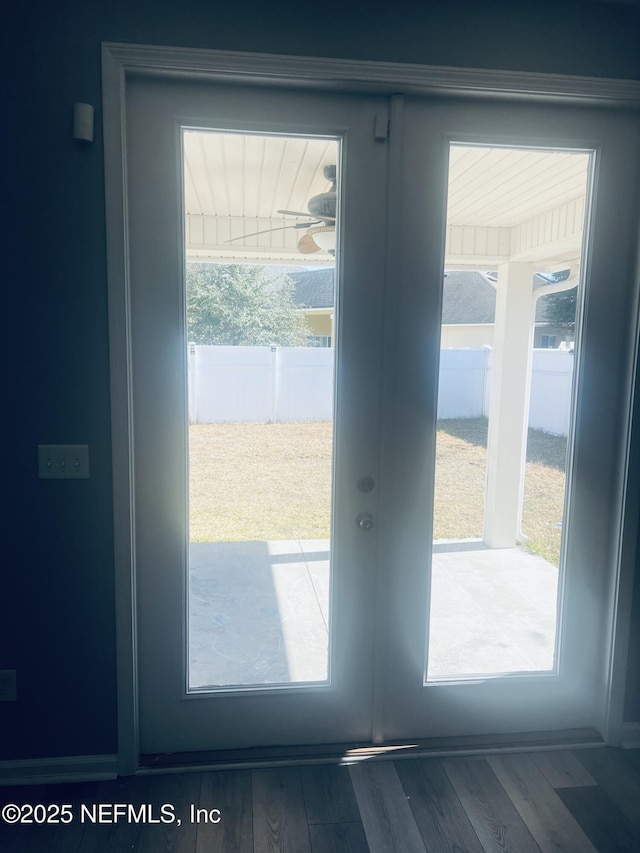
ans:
(365, 521)
(366, 483)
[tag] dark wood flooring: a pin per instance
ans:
(580, 800)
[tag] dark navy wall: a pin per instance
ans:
(57, 625)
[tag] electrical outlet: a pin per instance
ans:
(8, 690)
(63, 461)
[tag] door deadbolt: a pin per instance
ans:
(366, 483)
(365, 521)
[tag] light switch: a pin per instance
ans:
(63, 461)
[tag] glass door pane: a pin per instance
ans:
(260, 235)
(504, 406)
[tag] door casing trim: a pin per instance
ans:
(275, 71)
(362, 75)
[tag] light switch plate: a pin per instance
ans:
(63, 461)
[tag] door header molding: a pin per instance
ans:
(370, 76)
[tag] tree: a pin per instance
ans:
(559, 309)
(238, 305)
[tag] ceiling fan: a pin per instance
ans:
(321, 230)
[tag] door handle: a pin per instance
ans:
(365, 521)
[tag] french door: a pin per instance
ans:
(238, 672)
(228, 656)
(481, 688)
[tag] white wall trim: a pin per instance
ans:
(113, 105)
(271, 70)
(75, 768)
(616, 729)
(381, 77)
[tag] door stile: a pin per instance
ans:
(410, 420)
(387, 522)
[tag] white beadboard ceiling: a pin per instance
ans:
(503, 187)
(231, 174)
(235, 184)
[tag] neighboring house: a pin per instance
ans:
(314, 295)
(550, 335)
(468, 309)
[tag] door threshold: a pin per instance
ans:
(282, 756)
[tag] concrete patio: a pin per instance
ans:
(259, 612)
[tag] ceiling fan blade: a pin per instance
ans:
(300, 213)
(307, 245)
(270, 230)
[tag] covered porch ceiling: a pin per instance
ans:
(504, 203)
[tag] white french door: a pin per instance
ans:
(393, 247)
(477, 685)
(222, 628)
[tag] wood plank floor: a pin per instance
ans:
(581, 800)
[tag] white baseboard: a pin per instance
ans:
(75, 768)
(630, 735)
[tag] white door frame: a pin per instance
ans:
(121, 60)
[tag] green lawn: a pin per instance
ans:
(273, 481)
(460, 481)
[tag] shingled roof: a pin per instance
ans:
(468, 297)
(313, 288)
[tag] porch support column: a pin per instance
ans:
(509, 404)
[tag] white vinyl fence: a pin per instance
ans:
(551, 387)
(463, 385)
(260, 384)
(268, 384)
